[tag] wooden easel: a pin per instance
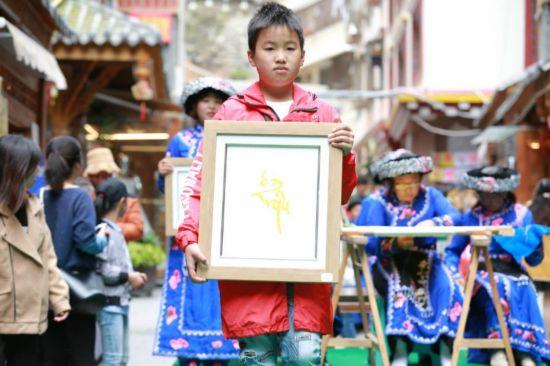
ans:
(481, 245)
(355, 250)
(481, 238)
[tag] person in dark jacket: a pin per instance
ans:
(70, 215)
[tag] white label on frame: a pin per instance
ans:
(327, 277)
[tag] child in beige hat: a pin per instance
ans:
(101, 166)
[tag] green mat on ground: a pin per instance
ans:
(360, 357)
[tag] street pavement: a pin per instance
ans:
(143, 319)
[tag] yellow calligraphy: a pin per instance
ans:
(272, 195)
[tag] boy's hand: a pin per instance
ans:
(137, 279)
(164, 166)
(194, 257)
(342, 138)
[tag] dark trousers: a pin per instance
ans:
(19, 349)
(71, 342)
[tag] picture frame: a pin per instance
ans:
(270, 202)
(173, 186)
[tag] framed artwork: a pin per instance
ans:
(270, 201)
(173, 187)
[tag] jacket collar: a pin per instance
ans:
(302, 100)
(33, 207)
(13, 233)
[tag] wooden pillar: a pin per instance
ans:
(531, 160)
(44, 88)
(3, 111)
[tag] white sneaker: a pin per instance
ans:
(401, 361)
(498, 358)
(527, 361)
(401, 357)
(444, 354)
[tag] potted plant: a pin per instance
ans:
(146, 255)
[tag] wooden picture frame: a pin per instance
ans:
(173, 186)
(270, 202)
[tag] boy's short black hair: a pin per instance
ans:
(273, 14)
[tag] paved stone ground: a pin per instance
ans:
(143, 318)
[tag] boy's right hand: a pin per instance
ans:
(137, 279)
(194, 257)
(164, 166)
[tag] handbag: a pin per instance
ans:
(87, 291)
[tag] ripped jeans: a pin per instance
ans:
(297, 348)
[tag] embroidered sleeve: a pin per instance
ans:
(188, 231)
(372, 214)
(444, 213)
(454, 251)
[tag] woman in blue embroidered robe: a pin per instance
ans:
(517, 292)
(423, 303)
(189, 325)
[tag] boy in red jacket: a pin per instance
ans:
(271, 317)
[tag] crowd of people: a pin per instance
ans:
(78, 224)
(62, 231)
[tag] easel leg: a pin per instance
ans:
(468, 290)
(374, 309)
(360, 295)
(498, 308)
(335, 298)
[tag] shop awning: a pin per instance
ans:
(513, 101)
(32, 54)
(496, 134)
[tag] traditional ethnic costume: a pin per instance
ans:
(516, 289)
(422, 301)
(189, 325)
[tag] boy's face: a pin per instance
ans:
(277, 57)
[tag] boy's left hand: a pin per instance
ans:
(342, 138)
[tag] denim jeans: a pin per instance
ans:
(298, 348)
(113, 321)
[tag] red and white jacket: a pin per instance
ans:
(255, 308)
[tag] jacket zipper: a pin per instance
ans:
(264, 106)
(13, 284)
